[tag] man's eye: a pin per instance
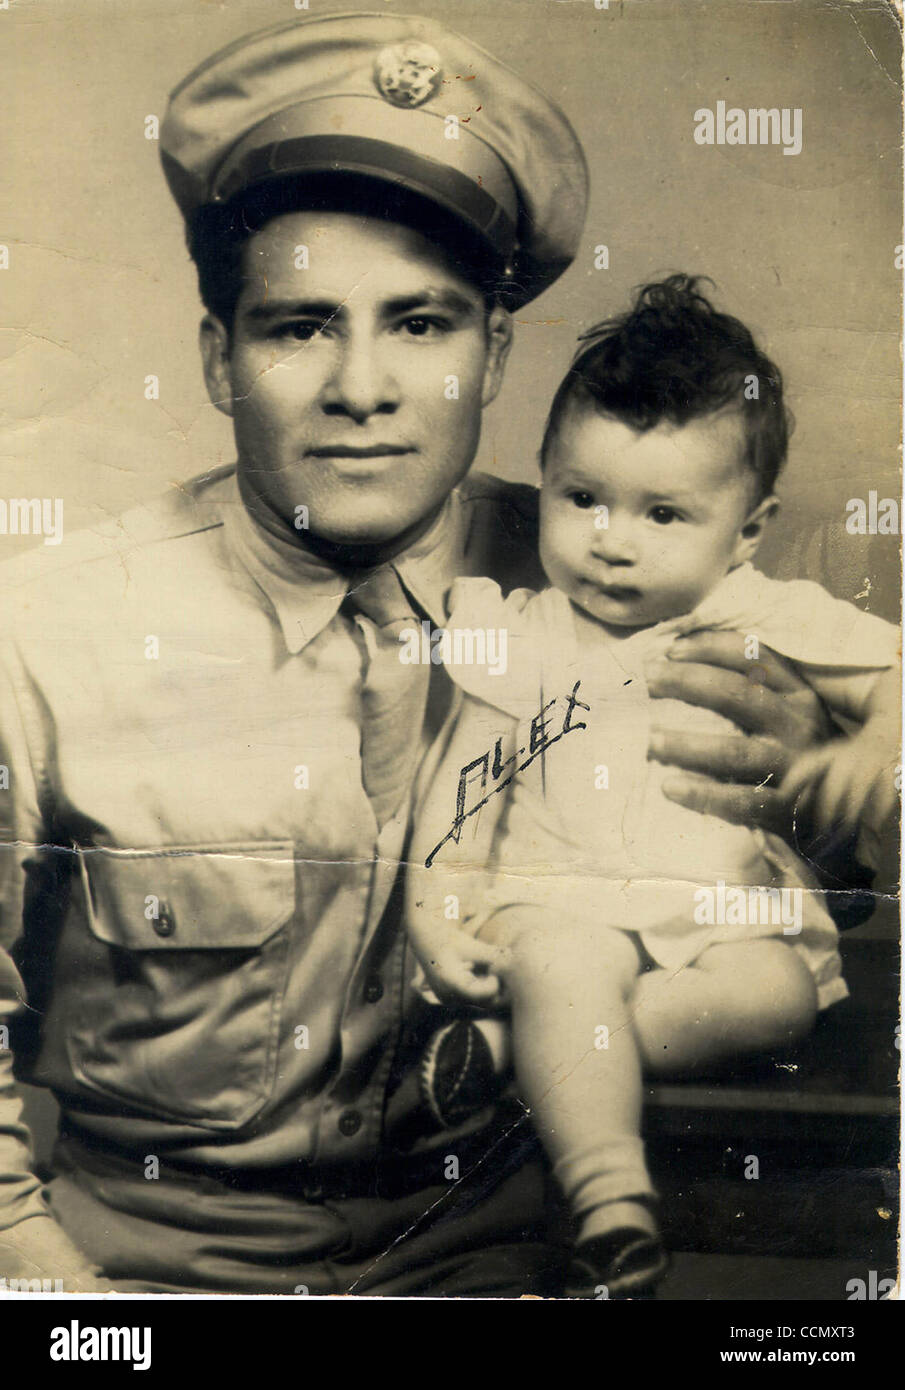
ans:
(582, 499)
(420, 327)
(664, 515)
(299, 330)
(303, 332)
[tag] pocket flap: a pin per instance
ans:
(189, 897)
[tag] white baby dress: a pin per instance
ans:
(587, 830)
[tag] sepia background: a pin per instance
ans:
(100, 291)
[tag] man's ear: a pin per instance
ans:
(214, 343)
(499, 341)
(752, 533)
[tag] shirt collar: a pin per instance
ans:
(306, 591)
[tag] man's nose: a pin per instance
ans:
(360, 383)
(616, 542)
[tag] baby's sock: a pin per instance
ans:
(608, 1187)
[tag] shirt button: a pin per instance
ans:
(165, 922)
(349, 1123)
(373, 989)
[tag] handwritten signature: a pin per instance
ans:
(490, 765)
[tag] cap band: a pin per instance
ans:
(318, 154)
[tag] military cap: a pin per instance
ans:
(397, 98)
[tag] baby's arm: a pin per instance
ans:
(853, 780)
(456, 833)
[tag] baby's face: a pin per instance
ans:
(639, 527)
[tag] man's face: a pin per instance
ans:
(639, 527)
(355, 385)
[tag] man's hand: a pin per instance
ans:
(736, 776)
(850, 783)
(39, 1248)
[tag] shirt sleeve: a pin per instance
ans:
(20, 829)
(491, 648)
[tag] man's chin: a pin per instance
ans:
(365, 535)
(368, 542)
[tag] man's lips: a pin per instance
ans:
(359, 451)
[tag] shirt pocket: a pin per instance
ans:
(180, 1015)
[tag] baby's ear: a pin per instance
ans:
(751, 533)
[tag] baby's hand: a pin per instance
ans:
(847, 783)
(459, 966)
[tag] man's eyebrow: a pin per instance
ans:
(284, 308)
(325, 309)
(435, 299)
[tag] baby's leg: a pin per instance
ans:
(577, 1061)
(737, 997)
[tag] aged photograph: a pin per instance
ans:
(450, 649)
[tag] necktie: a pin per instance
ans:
(393, 695)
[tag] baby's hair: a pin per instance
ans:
(674, 357)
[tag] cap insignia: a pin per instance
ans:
(408, 74)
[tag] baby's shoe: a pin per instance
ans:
(624, 1264)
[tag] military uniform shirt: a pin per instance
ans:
(195, 890)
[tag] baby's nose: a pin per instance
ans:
(615, 543)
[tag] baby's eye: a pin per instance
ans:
(582, 499)
(664, 515)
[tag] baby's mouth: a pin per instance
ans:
(622, 593)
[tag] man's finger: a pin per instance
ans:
(796, 717)
(751, 806)
(729, 650)
(805, 772)
(836, 799)
(746, 702)
(881, 803)
(717, 756)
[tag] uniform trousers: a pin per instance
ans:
(485, 1234)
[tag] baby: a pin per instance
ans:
(624, 932)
